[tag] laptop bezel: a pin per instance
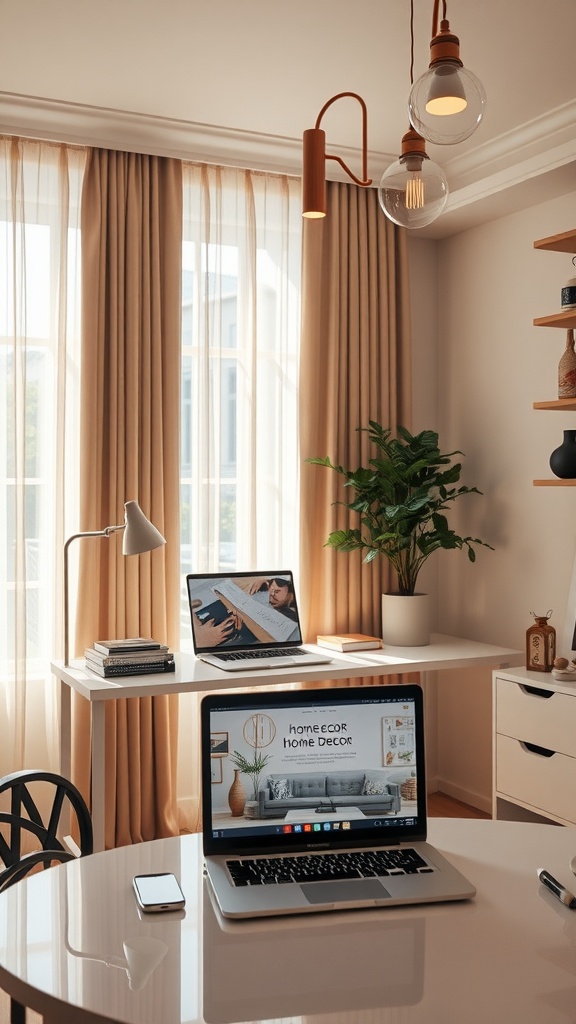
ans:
(262, 700)
(235, 647)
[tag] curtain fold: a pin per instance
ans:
(354, 366)
(131, 261)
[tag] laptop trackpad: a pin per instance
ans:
(344, 891)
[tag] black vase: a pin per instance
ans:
(563, 459)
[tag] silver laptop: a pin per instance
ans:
(315, 800)
(246, 620)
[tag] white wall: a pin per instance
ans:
(492, 365)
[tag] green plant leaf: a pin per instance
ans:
(401, 498)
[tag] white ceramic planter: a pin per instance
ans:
(406, 620)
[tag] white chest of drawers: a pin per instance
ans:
(534, 747)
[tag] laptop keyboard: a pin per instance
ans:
(326, 867)
(287, 652)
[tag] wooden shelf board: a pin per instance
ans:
(561, 404)
(565, 319)
(564, 242)
(554, 483)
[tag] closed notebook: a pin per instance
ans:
(349, 642)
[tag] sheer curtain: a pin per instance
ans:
(240, 353)
(240, 338)
(40, 186)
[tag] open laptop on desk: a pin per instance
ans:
(335, 816)
(247, 621)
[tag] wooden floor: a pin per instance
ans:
(442, 806)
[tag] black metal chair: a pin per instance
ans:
(31, 835)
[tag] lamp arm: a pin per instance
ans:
(75, 536)
(365, 181)
(358, 181)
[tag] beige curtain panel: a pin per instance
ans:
(131, 269)
(355, 366)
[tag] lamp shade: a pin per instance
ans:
(446, 104)
(139, 533)
(314, 173)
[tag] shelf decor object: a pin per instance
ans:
(568, 293)
(567, 368)
(540, 644)
(139, 536)
(563, 242)
(563, 458)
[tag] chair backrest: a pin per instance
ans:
(39, 831)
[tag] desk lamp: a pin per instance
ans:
(139, 536)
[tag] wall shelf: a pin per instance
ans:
(554, 483)
(561, 404)
(564, 242)
(565, 319)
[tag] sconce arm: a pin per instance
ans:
(365, 180)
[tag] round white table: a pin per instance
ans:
(74, 947)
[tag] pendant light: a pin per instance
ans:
(447, 103)
(413, 191)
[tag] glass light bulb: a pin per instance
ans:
(413, 192)
(446, 104)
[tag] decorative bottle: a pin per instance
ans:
(540, 644)
(567, 369)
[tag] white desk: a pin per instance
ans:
(507, 956)
(192, 675)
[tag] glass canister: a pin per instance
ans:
(540, 644)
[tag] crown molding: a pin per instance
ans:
(541, 152)
(105, 127)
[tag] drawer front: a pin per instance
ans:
(546, 783)
(549, 720)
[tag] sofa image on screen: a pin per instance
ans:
(369, 790)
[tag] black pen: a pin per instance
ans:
(555, 887)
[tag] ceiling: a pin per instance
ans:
(237, 82)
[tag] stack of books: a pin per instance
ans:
(133, 657)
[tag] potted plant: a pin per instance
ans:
(252, 767)
(401, 498)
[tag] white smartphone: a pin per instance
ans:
(158, 892)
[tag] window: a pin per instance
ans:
(240, 333)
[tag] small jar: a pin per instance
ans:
(568, 294)
(540, 644)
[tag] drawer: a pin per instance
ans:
(548, 720)
(545, 783)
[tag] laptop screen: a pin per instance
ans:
(303, 769)
(243, 610)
